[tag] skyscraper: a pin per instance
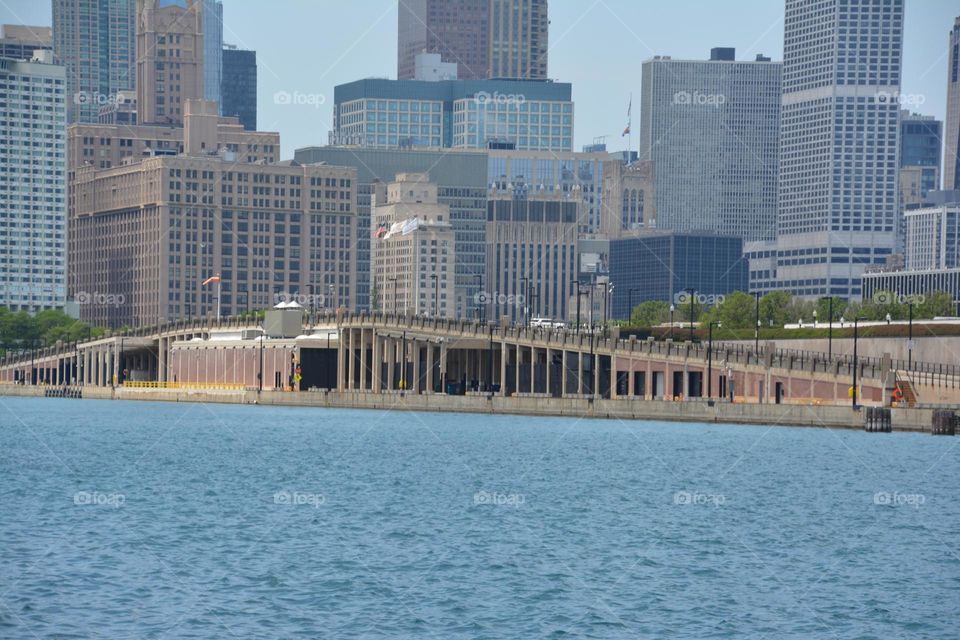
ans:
(711, 128)
(839, 129)
(169, 60)
(485, 38)
(518, 39)
(951, 164)
(239, 86)
(212, 49)
(920, 149)
(33, 190)
(95, 41)
(456, 29)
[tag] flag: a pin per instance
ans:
(625, 131)
(215, 278)
(629, 118)
(380, 232)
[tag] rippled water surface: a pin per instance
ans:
(143, 520)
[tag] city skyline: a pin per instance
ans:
(622, 35)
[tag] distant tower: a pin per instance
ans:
(839, 130)
(95, 41)
(169, 60)
(951, 169)
(239, 86)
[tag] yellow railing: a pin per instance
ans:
(148, 384)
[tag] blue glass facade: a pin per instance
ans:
(661, 266)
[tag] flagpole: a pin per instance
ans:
(218, 297)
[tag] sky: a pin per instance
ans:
(306, 47)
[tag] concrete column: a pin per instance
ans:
(533, 369)
(613, 375)
(349, 348)
(563, 374)
(162, 360)
(631, 381)
(516, 367)
(362, 382)
(377, 361)
(595, 389)
(443, 366)
(341, 363)
(547, 389)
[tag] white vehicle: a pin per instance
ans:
(546, 323)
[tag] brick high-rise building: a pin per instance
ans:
(147, 234)
(169, 59)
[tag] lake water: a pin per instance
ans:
(158, 520)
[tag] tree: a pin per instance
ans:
(935, 304)
(735, 311)
(823, 308)
(773, 309)
(650, 313)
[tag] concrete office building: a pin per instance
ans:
(413, 249)
(239, 86)
(838, 193)
(951, 164)
(531, 255)
(148, 233)
(662, 265)
(913, 283)
(933, 237)
(96, 42)
(484, 38)
(711, 128)
(33, 189)
(460, 177)
(18, 41)
(920, 149)
(170, 67)
(463, 114)
(213, 51)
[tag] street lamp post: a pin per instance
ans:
(853, 393)
(690, 292)
(523, 289)
(480, 299)
(710, 356)
(830, 330)
(576, 283)
(756, 331)
(910, 336)
(672, 309)
(260, 371)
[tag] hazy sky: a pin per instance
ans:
(309, 46)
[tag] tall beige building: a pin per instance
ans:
(531, 255)
(413, 248)
(518, 39)
(169, 59)
(951, 164)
